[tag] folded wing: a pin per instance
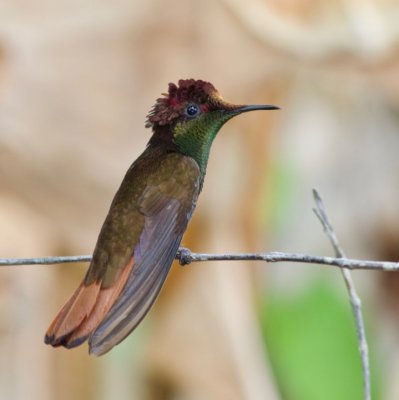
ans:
(153, 256)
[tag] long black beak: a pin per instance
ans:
(243, 109)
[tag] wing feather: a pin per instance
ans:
(154, 255)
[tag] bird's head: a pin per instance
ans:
(190, 115)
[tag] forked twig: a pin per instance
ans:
(356, 303)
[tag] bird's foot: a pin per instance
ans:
(184, 256)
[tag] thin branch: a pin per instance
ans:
(43, 260)
(356, 303)
(185, 257)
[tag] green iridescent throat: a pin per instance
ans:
(194, 138)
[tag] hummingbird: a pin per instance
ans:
(148, 216)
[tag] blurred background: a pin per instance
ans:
(77, 79)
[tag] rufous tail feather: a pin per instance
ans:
(84, 311)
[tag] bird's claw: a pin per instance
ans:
(184, 256)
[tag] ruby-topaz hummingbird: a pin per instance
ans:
(147, 218)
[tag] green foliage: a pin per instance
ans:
(312, 345)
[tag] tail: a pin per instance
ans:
(84, 311)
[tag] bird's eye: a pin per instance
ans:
(192, 110)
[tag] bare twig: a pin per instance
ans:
(356, 303)
(185, 257)
(44, 260)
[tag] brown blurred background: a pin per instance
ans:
(77, 79)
